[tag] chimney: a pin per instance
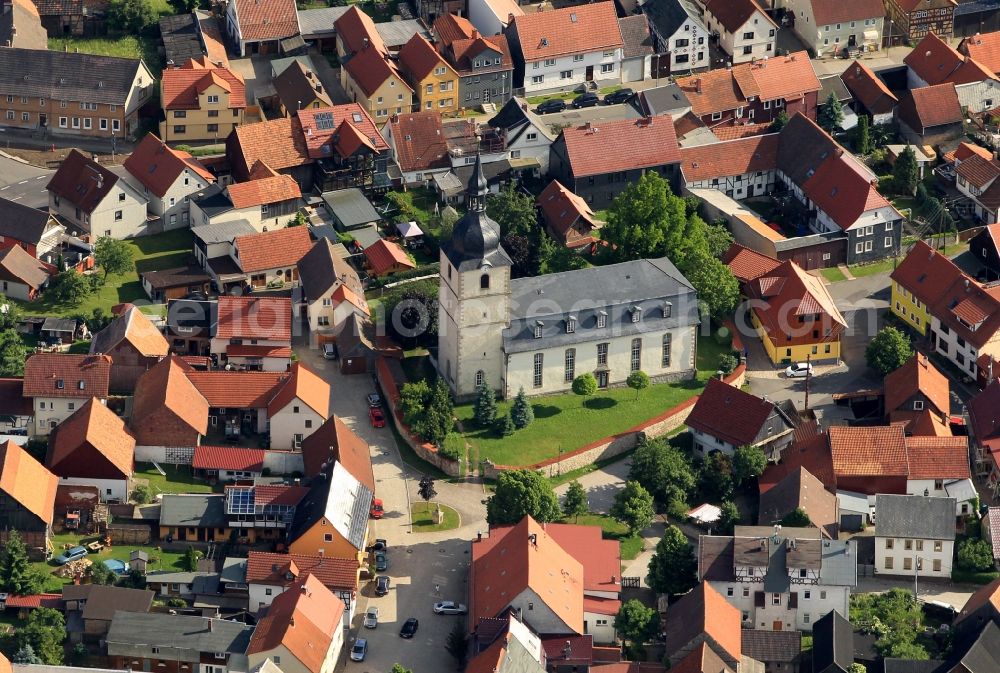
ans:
(319, 88)
(364, 43)
(524, 106)
(475, 34)
(533, 539)
(697, 85)
(291, 620)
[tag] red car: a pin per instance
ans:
(377, 511)
(377, 417)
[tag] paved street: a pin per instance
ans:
(23, 183)
(418, 562)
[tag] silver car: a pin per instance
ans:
(449, 608)
(371, 618)
(359, 650)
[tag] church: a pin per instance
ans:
(540, 333)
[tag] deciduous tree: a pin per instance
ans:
(664, 471)
(975, 555)
(888, 351)
(635, 622)
(672, 570)
(44, 633)
(12, 353)
(426, 488)
(645, 220)
(797, 518)
(519, 493)
(633, 506)
(68, 288)
(575, 501)
(749, 462)
(637, 381)
(113, 256)
(130, 16)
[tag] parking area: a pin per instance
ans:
(423, 567)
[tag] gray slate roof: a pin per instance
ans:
(772, 646)
(915, 516)
(664, 100)
(397, 33)
(584, 293)
(322, 267)
(316, 22)
(351, 207)
(668, 15)
(833, 643)
(58, 75)
(914, 666)
(194, 511)
(223, 231)
(179, 631)
(984, 655)
(636, 36)
(833, 84)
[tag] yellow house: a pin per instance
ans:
(921, 278)
(201, 101)
(432, 78)
(372, 80)
(332, 520)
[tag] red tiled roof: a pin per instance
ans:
(278, 494)
(506, 563)
(917, 375)
(728, 413)
(786, 77)
(33, 601)
(639, 143)
(843, 192)
(371, 68)
(82, 181)
(419, 142)
(931, 106)
(304, 385)
(27, 482)
(255, 318)
(978, 170)
(227, 458)
(302, 621)
(335, 441)
(970, 310)
(732, 158)
(66, 375)
(747, 264)
(984, 417)
(934, 61)
(873, 451)
(868, 89)
(733, 14)
(334, 572)
(353, 27)
(157, 166)
(966, 151)
(253, 351)
(571, 30)
(703, 610)
(278, 249)
(601, 559)
(280, 142)
(418, 59)
(346, 120)
(811, 451)
(601, 606)
(265, 190)
(845, 11)
(938, 457)
(384, 256)
(789, 291)
(562, 209)
(261, 20)
(985, 48)
(925, 272)
(101, 428)
(166, 385)
(181, 86)
(236, 390)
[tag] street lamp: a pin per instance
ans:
(917, 565)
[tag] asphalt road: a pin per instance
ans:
(24, 183)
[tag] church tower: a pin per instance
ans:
(474, 297)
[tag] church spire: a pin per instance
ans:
(477, 188)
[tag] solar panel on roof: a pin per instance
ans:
(324, 120)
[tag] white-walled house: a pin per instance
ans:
(492, 17)
(933, 61)
(268, 575)
(678, 30)
(331, 288)
(745, 30)
(829, 27)
(300, 406)
(564, 48)
(167, 178)
(525, 134)
(914, 535)
(60, 383)
(93, 200)
(806, 579)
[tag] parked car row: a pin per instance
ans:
(588, 99)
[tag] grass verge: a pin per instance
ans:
(833, 274)
(959, 576)
(178, 480)
(422, 516)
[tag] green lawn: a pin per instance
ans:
(959, 576)
(631, 545)
(862, 270)
(151, 253)
(127, 46)
(164, 560)
(559, 95)
(566, 422)
(833, 274)
(178, 480)
(423, 517)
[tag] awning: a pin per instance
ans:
(871, 36)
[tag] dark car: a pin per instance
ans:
(409, 628)
(549, 106)
(618, 97)
(380, 545)
(589, 99)
(381, 585)
(381, 561)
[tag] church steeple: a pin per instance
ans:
(477, 188)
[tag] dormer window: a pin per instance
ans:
(538, 329)
(668, 309)
(636, 313)
(602, 319)
(918, 405)
(60, 384)
(571, 324)
(81, 385)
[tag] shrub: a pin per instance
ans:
(727, 363)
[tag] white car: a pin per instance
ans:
(449, 608)
(798, 370)
(371, 618)
(359, 650)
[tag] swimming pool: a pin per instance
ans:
(116, 566)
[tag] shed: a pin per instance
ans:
(138, 560)
(350, 209)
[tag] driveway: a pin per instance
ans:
(423, 567)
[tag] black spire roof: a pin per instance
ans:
(475, 242)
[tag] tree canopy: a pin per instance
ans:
(664, 471)
(519, 493)
(831, 113)
(749, 462)
(68, 287)
(888, 351)
(633, 506)
(905, 174)
(130, 16)
(575, 501)
(13, 352)
(44, 632)
(17, 576)
(411, 312)
(672, 570)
